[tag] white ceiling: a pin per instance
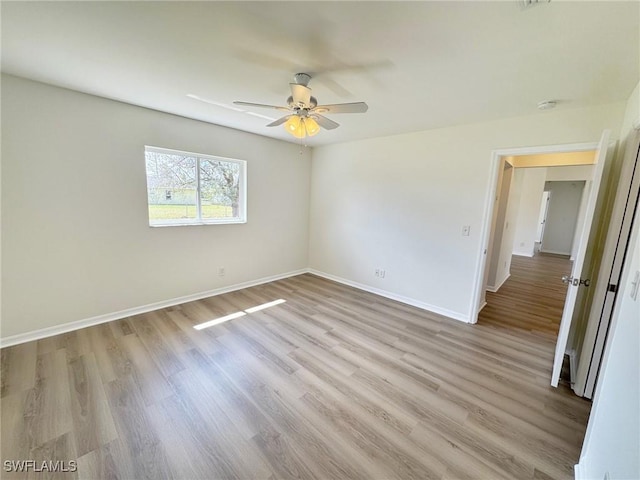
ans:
(419, 65)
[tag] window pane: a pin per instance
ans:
(171, 188)
(219, 189)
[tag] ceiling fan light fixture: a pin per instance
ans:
(301, 127)
(295, 126)
(304, 117)
(311, 126)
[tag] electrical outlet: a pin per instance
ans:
(377, 272)
(382, 272)
(466, 229)
(221, 271)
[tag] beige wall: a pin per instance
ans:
(400, 202)
(83, 248)
(75, 236)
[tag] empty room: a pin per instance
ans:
(264, 240)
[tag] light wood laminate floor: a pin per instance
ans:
(532, 298)
(335, 383)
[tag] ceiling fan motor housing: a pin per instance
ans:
(303, 109)
(312, 104)
(302, 78)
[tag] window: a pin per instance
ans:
(193, 189)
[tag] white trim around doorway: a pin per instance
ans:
(485, 233)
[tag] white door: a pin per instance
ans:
(615, 251)
(574, 279)
(542, 218)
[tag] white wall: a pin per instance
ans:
(568, 174)
(612, 441)
(533, 180)
(528, 210)
(577, 172)
(562, 217)
(75, 236)
(400, 202)
(504, 253)
(509, 193)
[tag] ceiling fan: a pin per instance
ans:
(305, 115)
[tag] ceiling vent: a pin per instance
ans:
(547, 105)
(531, 3)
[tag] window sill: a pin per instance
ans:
(197, 224)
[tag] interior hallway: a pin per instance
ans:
(532, 298)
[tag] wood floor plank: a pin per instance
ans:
(333, 383)
(158, 347)
(280, 407)
(460, 464)
(102, 339)
(153, 385)
(211, 427)
(511, 400)
(110, 462)
(368, 398)
(140, 440)
(16, 438)
(400, 457)
(49, 402)
(18, 368)
(56, 455)
(93, 425)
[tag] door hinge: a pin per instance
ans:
(613, 288)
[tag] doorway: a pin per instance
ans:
(528, 157)
(521, 178)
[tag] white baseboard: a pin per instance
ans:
(577, 472)
(108, 317)
(393, 296)
(88, 322)
(493, 289)
(555, 252)
(523, 254)
(484, 304)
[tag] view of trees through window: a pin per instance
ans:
(185, 188)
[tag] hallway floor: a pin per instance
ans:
(532, 298)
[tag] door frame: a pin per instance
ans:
(489, 204)
(625, 204)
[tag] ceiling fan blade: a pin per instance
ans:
(324, 122)
(280, 121)
(358, 107)
(261, 105)
(334, 86)
(301, 94)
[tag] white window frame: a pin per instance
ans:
(242, 191)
